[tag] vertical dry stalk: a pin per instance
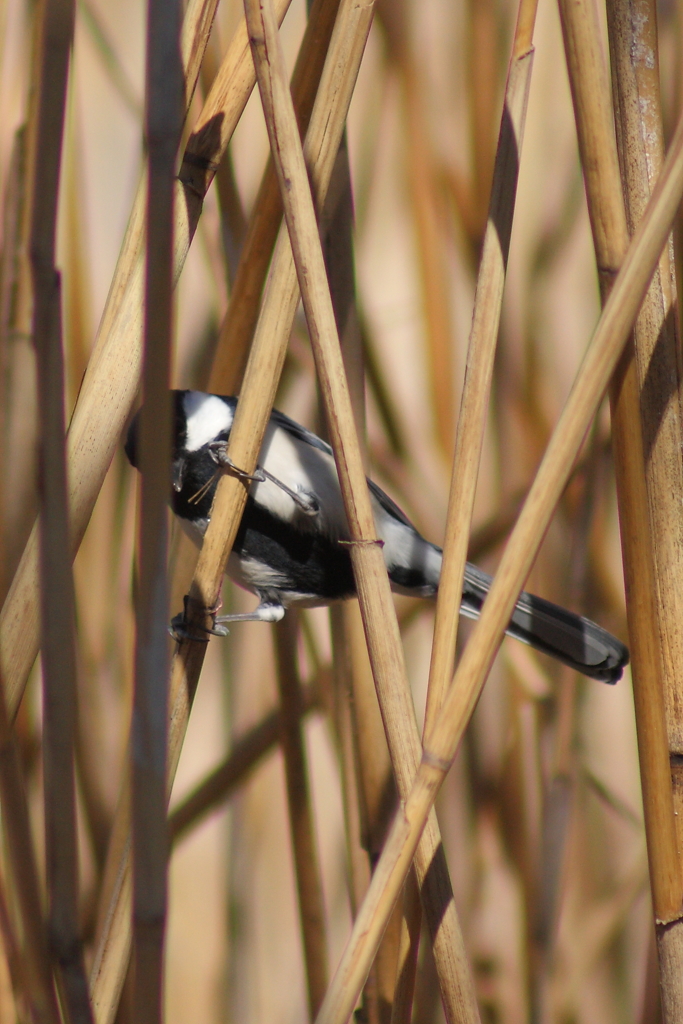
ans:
(379, 616)
(479, 368)
(591, 92)
(148, 731)
(56, 580)
(309, 884)
(111, 382)
(635, 70)
(596, 369)
(261, 377)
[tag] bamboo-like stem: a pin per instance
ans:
(242, 314)
(163, 121)
(659, 371)
(263, 369)
(592, 380)
(56, 579)
(245, 755)
(635, 74)
(309, 883)
(111, 382)
(480, 356)
(372, 583)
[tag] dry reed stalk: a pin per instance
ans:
(246, 753)
(372, 584)
(111, 382)
(262, 374)
(358, 773)
(163, 121)
(349, 766)
(57, 599)
(242, 314)
(592, 380)
(635, 74)
(308, 879)
(648, 617)
(480, 358)
(633, 43)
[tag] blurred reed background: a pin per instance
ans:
(541, 815)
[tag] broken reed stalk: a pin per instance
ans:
(633, 44)
(163, 121)
(372, 584)
(302, 826)
(240, 319)
(111, 382)
(57, 597)
(219, 785)
(592, 380)
(251, 418)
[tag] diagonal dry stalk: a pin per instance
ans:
(163, 122)
(262, 374)
(480, 356)
(242, 314)
(111, 382)
(592, 380)
(372, 584)
(475, 396)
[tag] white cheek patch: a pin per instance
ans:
(206, 416)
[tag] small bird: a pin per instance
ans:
(290, 548)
